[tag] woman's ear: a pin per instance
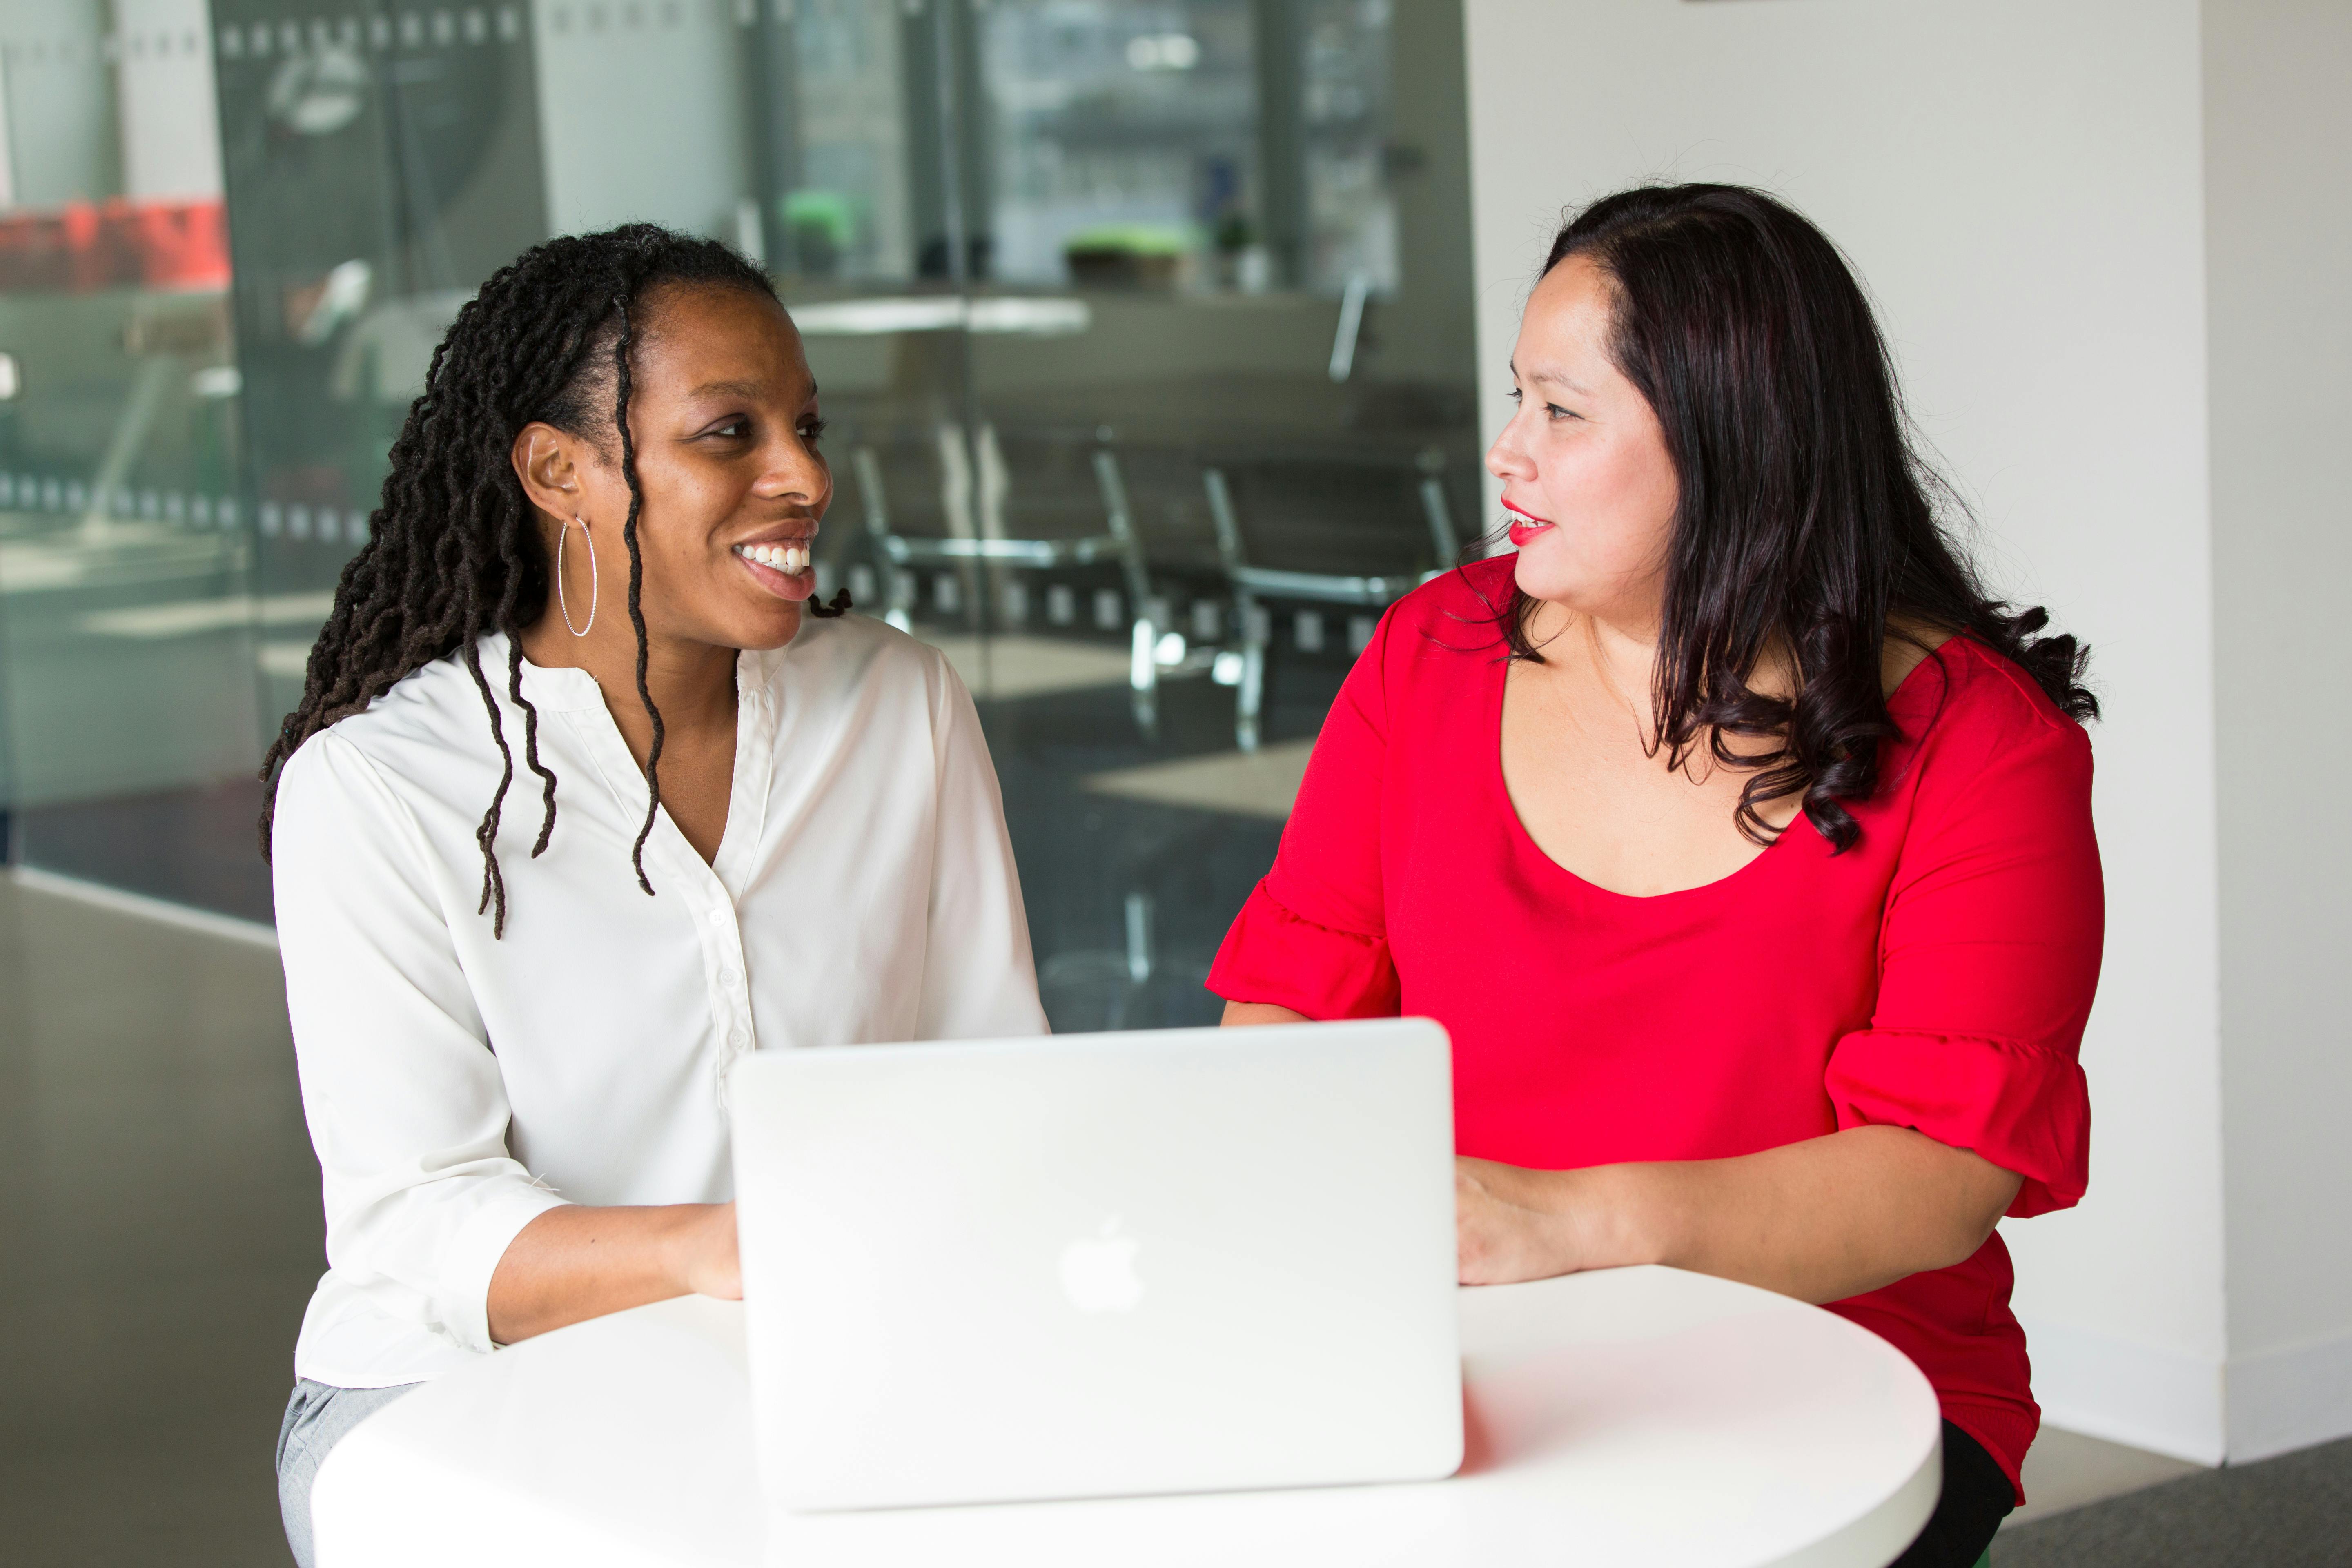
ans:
(548, 461)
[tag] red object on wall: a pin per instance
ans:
(117, 244)
(180, 244)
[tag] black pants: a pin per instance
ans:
(1976, 1497)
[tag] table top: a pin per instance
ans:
(1630, 1414)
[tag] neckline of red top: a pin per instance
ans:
(1524, 848)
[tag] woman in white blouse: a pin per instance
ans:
(578, 808)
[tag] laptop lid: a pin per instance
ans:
(1179, 1260)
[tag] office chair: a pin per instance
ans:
(1352, 531)
(996, 503)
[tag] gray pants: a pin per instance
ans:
(317, 1418)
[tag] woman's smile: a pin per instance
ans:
(1529, 528)
(779, 565)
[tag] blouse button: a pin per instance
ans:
(719, 917)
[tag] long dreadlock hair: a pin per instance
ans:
(454, 553)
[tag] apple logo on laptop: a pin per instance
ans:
(1098, 1271)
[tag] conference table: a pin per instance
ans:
(1631, 1416)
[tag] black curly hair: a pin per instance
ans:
(454, 552)
(1808, 519)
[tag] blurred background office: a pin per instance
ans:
(1157, 338)
(1145, 333)
(1144, 330)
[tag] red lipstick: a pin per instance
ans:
(1523, 532)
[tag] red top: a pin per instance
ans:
(1935, 976)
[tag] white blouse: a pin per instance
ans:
(457, 1086)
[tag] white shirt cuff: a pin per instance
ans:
(473, 1257)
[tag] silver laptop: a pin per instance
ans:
(1101, 1265)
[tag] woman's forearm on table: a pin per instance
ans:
(1820, 1220)
(581, 1261)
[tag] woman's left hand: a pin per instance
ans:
(1513, 1224)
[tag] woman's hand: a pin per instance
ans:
(1502, 1236)
(705, 1262)
(1513, 1224)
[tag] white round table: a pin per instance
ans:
(1633, 1416)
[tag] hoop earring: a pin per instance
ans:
(561, 539)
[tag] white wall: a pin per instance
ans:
(62, 137)
(2020, 184)
(170, 127)
(2278, 144)
(641, 116)
(7, 158)
(76, 124)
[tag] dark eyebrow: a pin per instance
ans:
(1547, 376)
(748, 390)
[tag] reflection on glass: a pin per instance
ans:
(1344, 122)
(126, 674)
(1124, 136)
(1144, 330)
(841, 210)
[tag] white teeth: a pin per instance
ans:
(790, 559)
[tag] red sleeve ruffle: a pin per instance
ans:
(2025, 1107)
(1275, 956)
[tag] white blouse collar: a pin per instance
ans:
(567, 690)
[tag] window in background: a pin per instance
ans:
(1117, 309)
(1345, 131)
(842, 207)
(1123, 139)
(1265, 422)
(126, 662)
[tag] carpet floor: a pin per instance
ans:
(2294, 1512)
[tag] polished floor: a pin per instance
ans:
(159, 1235)
(160, 1232)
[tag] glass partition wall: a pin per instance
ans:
(1144, 331)
(126, 651)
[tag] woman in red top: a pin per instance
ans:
(1740, 841)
